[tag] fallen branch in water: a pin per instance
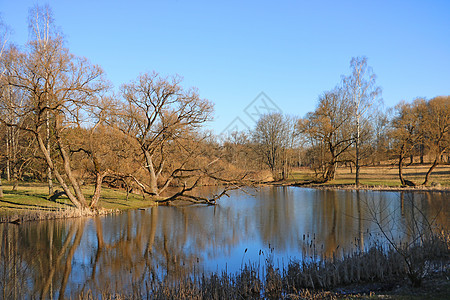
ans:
(183, 196)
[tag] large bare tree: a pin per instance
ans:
(436, 127)
(364, 95)
(330, 126)
(162, 116)
(3, 45)
(406, 132)
(57, 88)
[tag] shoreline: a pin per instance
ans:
(353, 187)
(16, 215)
(30, 215)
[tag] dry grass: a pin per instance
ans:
(31, 202)
(383, 175)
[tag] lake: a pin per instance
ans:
(65, 257)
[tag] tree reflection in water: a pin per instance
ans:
(118, 253)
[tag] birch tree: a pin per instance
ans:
(42, 30)
(363, 94)
(3, 45)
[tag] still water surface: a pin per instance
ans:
(53, 258)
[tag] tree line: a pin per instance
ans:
(60, 120)
(350, 127)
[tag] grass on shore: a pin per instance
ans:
(31, 201)
(380, 176)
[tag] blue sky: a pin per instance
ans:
(234, 50)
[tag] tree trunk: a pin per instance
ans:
(422, 150)
(427, 175)
(49, 170)
(400, 169)
(98, 189)
(8, 155)
(357, 152)
(73, 181)
(331, 171)
(15, 179)
(58, 176)
(151, 171)
(1, 187)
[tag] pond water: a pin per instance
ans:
(65, 257)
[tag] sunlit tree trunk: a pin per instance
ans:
(8, 155)
(151, 171)
(400, 169)
(99, 176)
(49, 170)
(357, 145)
(58, 176)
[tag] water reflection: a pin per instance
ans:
(57, 259)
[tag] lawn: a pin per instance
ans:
(383, 175)
(33, 197)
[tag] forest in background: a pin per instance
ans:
(61, 121)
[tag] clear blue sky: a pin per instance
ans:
(233, 50)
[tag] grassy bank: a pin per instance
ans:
(379, 176)
(31, 202)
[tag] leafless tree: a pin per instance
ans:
(42, 29)
(163, 117)
(363, 94)
(54, 83)
(329, 126)
(3, 45)
(406, 132)
(437, 128)
(274, 135)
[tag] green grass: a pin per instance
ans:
(31, 197)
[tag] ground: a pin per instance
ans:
(382, 175)
(31, 202)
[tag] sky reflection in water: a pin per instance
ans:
(117, 251)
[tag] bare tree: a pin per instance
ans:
(54, 83)
(364, 95)
(161, 117)
(437, 127)
(274, 135)
(3, 44)
(406, 132)
(42, 28)
(329, 126)
(418, 125)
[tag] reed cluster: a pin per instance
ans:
(306, 279)
(56, 213)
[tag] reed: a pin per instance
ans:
(312, 279)
(56, 213)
